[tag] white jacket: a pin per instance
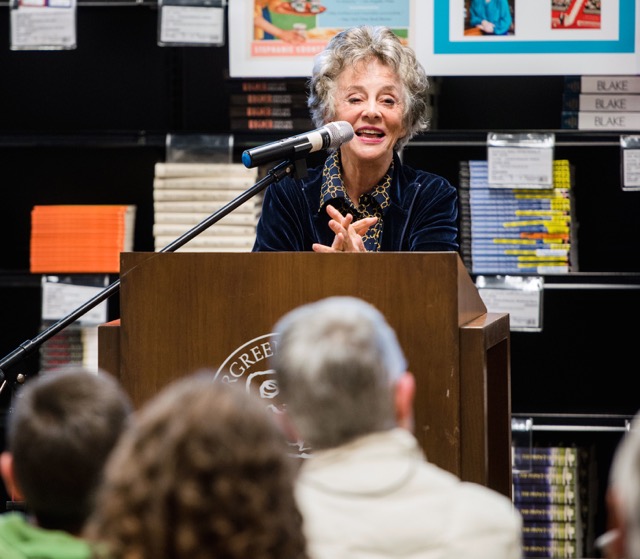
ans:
(378, 497)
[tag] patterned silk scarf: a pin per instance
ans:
(370, 204)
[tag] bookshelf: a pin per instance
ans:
(88, 126)
(592, 438)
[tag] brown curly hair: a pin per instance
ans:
(202, 473)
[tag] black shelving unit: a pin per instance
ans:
(88, 125)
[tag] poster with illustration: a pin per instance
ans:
(527, 37)
(278, 38)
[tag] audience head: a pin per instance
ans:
(63, 426)
(623, 496)
(362, 44)
(341, 372)
(203, 473)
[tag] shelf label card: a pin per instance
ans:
(521, 297)
(191, 25)
(43, 24)
(630, 146)
(520, 160)
(60, 299)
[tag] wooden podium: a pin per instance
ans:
(185, 311)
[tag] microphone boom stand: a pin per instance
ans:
(296, 167)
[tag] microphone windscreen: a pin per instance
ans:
(340, 132)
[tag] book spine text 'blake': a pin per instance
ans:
(602, 84)
(603, 121)
(602, 103)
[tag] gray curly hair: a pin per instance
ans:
(354, 45)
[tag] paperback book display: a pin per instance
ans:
(185, 194)
(268, 105)
(80, 238)
(604, 103)
(78, 342)
(551, 489)
(515, 230)
(74, 344)
(281, 105)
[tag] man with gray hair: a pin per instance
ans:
(367, 490)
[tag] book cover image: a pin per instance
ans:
(576, 14)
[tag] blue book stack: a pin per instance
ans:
(515, 230)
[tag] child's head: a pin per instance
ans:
(63, 426)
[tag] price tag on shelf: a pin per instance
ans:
(62, 295)
(630, 147)
(43, 24)
(520, 160)
(519, 296)
(190, 23)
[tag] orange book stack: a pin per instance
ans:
(80, 238)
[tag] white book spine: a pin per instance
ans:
(610, 84)
(186, 219)
(204, 169)
(213, 183)
(191, 194)
(229, 241)
(202, 206)
(160, 229)
(609, 103)
(191, 248)
(608, 121)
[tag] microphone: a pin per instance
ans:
(330, 136)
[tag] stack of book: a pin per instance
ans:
(80, 238)
(78, 342)
(432, 98)
(268, 105)
(550, 490)
(185, 194)
(516, 230)
(604, 103)
(73, 345)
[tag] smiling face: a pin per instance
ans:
(370, 97)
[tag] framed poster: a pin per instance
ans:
(279, 38)
(544, 37)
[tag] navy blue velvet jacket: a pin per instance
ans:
(422, 215)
